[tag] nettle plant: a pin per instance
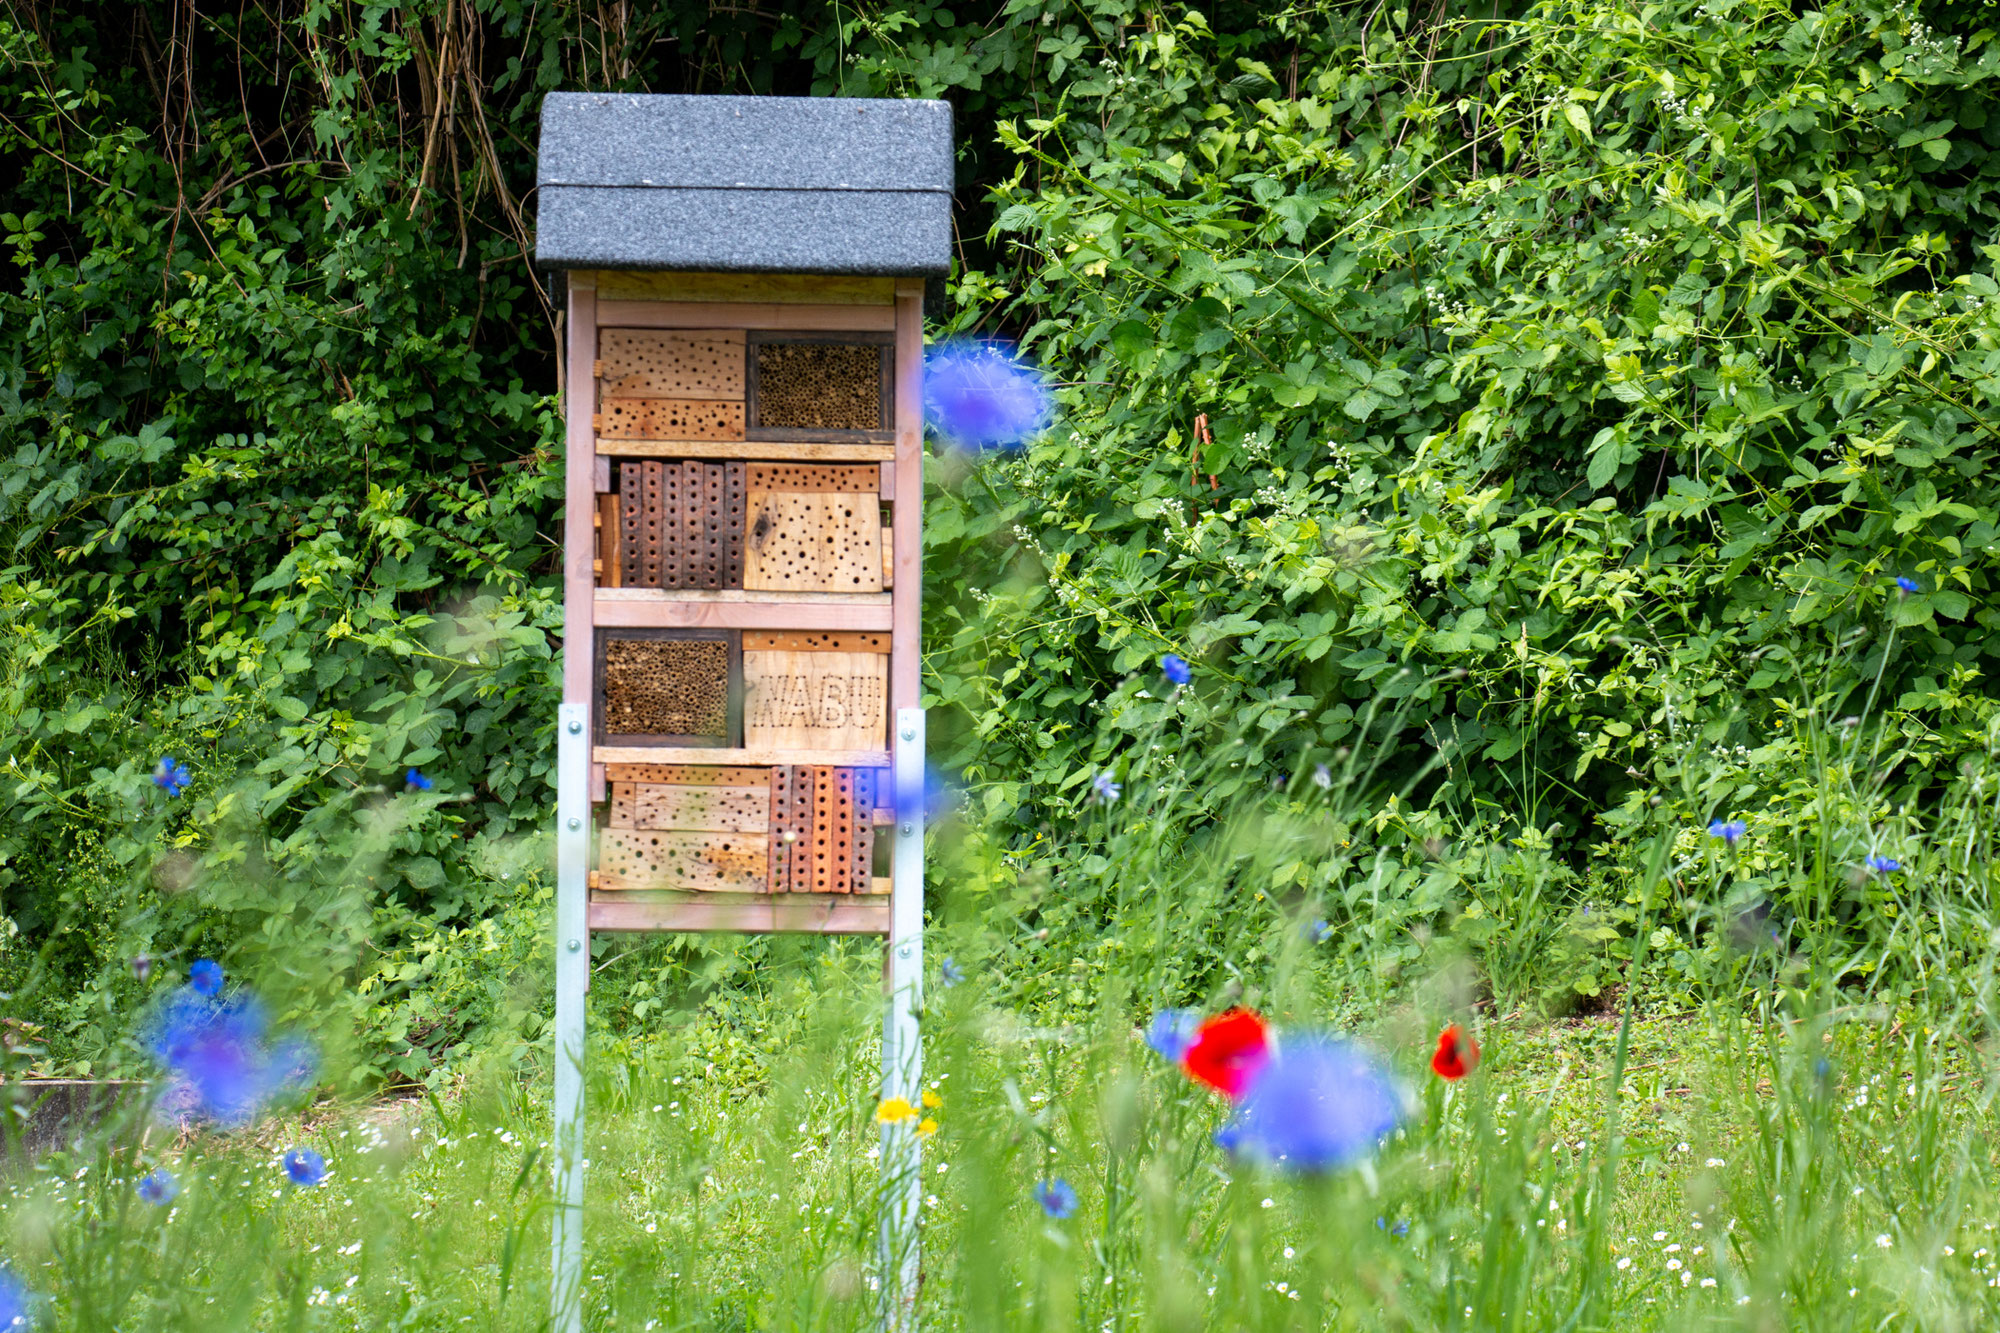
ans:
(1586, 381)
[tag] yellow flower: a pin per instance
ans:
(894, 1111)
(926, 1127)
(932, 1100)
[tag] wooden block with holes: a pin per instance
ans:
(681, 859)
(670, 419)
(813, 541)
(815, 691)
(688, 364)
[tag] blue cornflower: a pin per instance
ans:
(16, 1304)
(414, 780)
(206, 977)
(1172, 1031)
(1176, 668)
(304, 1167)
(1317, 1103)
(1402, 1227)
(1729, 830)
(171, 778)
(1056, 1197)
(223, 1065)
(950, 974)
(1106, 789)
(981, 396)
(1905, 584)
(1316, 930)
(1884, 865)
(159, 1187)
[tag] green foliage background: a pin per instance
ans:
(1576, 380)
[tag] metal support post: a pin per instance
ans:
(572, 980)
(902, 1046)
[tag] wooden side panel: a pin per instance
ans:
(670, 419)
(826, 541)
(907, 689)
(650, 805)
(662, 859)
(695, 364)
(579, 494)
(815, 701)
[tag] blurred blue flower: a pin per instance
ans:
(949, 974)
(1107, 790)
(1316, 930)
(15, 1303)
(224, 1067)
(1322, 777)
(1729, 830)
(206, 976)
(304, 1167)
(159, 1187)
(1056, 1197)
(171, 778)
(980, 395)
(1317, 1103)
(1172, 1031)
(1884, 865)
(1905, 584)
(1402, 1227)
(414, 780)
(1176, 668)
(933, 802)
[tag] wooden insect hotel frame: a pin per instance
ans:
(744, 285)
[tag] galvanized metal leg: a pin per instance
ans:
(902, 1047)
(572, 980)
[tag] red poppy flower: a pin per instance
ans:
(1227, 1051)
(1457, 1054)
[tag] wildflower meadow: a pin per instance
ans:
(1464, 777)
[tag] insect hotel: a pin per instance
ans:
(744, 351)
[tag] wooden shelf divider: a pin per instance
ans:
(772, 451)
(744, 758)
(818, 913)
(806, 612)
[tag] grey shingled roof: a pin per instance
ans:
(745, 184)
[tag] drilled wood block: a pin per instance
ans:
(848, 478)
(815, 700)
(670, 419)
(799, 834)
(805, 541)
(820, 385)
(782, 832)
(666, 687)
(689, 775)
(708, 549)
(825, 641)
(735, 522)
(663, 859)
(671, 363)
(864, 828)
(651, 805)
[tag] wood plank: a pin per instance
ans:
(815, 703)
(813, 542)
(787, 288)
(740, 597)
(654, 419)
(579, 497)
(889, 557)
(609, 546)
(657, 805)
(621, 312)
(693, 775)
(791, 641)
(804, 450)
(671, 363)
(763, 914)
(747, 757)
(661, 613)
(887, 488)
(855, 478)
(674, 859)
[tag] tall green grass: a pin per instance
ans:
(1786, 1121)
